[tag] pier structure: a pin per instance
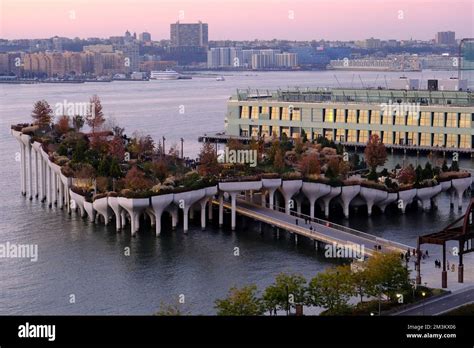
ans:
(42, 178)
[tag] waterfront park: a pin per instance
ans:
(87, 165)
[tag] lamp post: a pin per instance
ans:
(164, 151)
(423, 294)
(182, 151)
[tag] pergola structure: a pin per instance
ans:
(461, 230)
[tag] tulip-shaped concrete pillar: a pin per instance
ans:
(288, 189)
(405, 198)
(159, 204)
(426, 194)
(23, 169)
(335, 191)
(348, 193)
(271, 185)
(372, 196)
(29, 166)
(391, 197)
(103, 208)
(461, 185)
(185, 200)
(117, 209)
(313, 191)
(134, 207)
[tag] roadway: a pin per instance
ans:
(443, 304)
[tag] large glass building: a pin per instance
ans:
(415, 119)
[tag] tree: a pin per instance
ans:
(388, 272)
(95, 117)
(42, 113)
(279, 161)
(407, 175)
(332, 289)
(169, 310)
(78, 122)
(136, 180)
(375, 153)
(208, 160)
(243, 301)
(362, 283)
(62, 126)
(286, 292)
(117, 148)
(310, 165)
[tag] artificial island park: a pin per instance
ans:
(283, 181)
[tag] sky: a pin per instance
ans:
(239, 19)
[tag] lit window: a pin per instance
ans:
(364, 116)
(452, 120)
(375, 117)
(341, 115)
(465, 121)
(425, 139)
(275, 113)
(245, 112)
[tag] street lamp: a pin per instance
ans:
(423, 294)
(182, 152)
(164, 139)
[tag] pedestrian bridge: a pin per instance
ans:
(315, 229)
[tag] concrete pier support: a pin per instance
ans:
(210, 209)
(426, 194)
(185, 200)
(335, 191)
(221, 209)
(270, 186)
(460, 186)
(406, 197)
(23, 169)
(134, 207)
(372, 196)
(36, 159)
(102, 207)
(159, 204)
(347, 195)
(288, 189)
(174, 217)
(313, 191)
(233, 199)
(117, 210)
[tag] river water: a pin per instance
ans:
(82, 268)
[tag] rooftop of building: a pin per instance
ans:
(361, 95)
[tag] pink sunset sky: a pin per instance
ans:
(239, 19)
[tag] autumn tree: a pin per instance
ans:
(208, 160)
(136, 180)
(279, 161)
(117, 148)
(63, 125)
(42, 113)
(375, 153)
(407, 175)
(95, 116)
(243, 301)
(310, 165)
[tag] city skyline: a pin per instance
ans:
(290, 20)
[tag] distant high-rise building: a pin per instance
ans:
(224, 57)
(446, 38)
(189, 34)
(144, 37)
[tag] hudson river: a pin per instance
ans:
(78, 258)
